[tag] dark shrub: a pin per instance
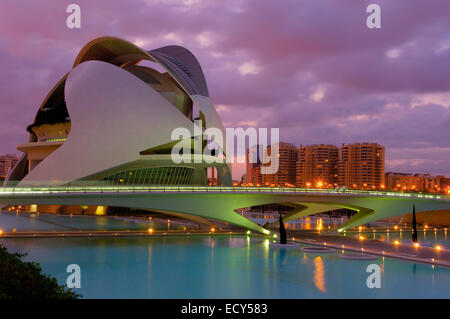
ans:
(25, 280)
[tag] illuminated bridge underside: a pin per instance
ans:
(220, 204)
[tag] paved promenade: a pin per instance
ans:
(429, 255)
(116, 233)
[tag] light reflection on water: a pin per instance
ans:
(430, 236)
(222, 266)
(219, 266)
(319, 274)
(305, 223)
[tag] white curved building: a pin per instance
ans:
(109, 121)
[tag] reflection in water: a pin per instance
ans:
(149, 259)
(319, 274)
(304, 258)
(266, 250)
(187, 267)
(319, 224)
(282, 255)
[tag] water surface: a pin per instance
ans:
(222, 266)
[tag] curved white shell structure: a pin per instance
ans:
(109, 112)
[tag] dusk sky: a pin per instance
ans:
(311, 68)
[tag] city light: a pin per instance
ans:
(438, 247)
(150, 230)
(396, 242)
(416, 245)
(213, 229)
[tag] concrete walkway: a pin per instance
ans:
(429, 255)
(112, 233)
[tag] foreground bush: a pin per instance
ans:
(25, 280)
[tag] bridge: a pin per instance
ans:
(203, 203)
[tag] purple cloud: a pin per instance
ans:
(311, 68)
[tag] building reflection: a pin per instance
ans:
(319, 274)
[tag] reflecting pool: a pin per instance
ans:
(222, 266)
(202, 266)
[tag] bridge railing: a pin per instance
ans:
(202, 189)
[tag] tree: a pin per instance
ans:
(24, 280)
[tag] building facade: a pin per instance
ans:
(253, 176)
(7, 162)
(259, 159)
(361, 166)
(414, 182)
(110, 119)
(287, 158)
(317, 166)
(444, 184)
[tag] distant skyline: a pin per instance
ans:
(311, 68)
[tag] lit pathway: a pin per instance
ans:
(115, 233)
(430, 255)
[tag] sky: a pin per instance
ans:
(309, 67)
